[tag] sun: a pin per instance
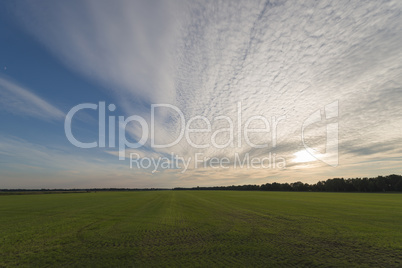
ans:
(303, 156)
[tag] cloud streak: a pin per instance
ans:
(16, 99)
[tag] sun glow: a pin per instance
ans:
(303, 156)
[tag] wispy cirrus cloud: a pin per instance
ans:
(17, 99)
(24, 164)
(124, 45)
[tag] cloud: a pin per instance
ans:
(24, 164)
(19, 100)
(280, 59)
(124, 45)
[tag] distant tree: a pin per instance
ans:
(379, 184)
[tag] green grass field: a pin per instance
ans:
(201, 228)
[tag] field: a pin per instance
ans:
(201, 228)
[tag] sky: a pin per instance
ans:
(168, 94)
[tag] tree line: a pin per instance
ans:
(391, 183)
(76, 190)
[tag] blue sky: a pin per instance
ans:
(326, 77)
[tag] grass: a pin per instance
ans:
(201, 228)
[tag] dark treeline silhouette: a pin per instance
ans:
(391, 183)
(64, 191)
